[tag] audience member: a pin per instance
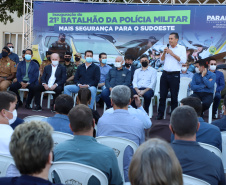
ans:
(27, 77)
(86, 76)
(221, 123)
(8, 115)
(45, 62)
(194, 159)
(202, 84)
(154, 163)
(173, 57)
(84, 149)
(139, 112)
(7, 70)
(31, 147)
(70, 68)
(13, 56)
(207, 133)
(16, 120)
(184, 71)
(53, 79)
(144, 81)
(84, 97)
(60, 121)
(220, 86)
(121, 123)
(129, 65)
(116, 76)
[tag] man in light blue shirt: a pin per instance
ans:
(60, 121)
(121, 123)
(84, 149)
(202, 84)
(184, 71)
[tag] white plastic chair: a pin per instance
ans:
(211, 149)
(223, 135)
(183, 91)
(5, 162)
(50, 93)
(34, 118)
(59, 137)
(211, 106)
(189, 180)
(118, 145)
(21, 93)
(75, 173)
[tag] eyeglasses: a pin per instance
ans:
(213, 64)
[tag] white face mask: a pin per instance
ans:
(11, 50)
(184, 69)
(118, 64)
(11, 121)
(197, 70)
(213, 67)
(55, 63)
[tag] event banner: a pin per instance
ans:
(128, 29)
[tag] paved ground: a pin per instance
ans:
(160, 128)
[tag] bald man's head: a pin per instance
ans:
(55, 58)
(119, 62)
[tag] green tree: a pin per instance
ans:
(12, 7)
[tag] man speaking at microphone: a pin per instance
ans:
(173, 57)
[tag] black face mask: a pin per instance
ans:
(77, 59)
(48, 58)
(67, 59)
(4, 54)
(62, 39)
(127, 65)
(144, 64)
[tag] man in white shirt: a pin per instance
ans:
(53, 79)
(7, 116)
(144, 81)
(173, 57)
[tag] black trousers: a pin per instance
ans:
(206, 98)
(16, 86)
(169, 82)
(40, 88)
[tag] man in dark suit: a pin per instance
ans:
(53, 79)
(27, 77)
(34, 166)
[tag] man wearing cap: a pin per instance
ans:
(70, 68)
(202, 84)
(60, 47)
(7, 69)
(13, 56)
(45, 62)
(173, 57)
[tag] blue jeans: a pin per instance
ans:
(69, 89)
(105, 96)
(216, 102)
(99, 95)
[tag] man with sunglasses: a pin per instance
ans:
(220, 85)
(13, 56)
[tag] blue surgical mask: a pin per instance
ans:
(104, 61)
(89, 59)
(27, 57)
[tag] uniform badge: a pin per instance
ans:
(123, 74)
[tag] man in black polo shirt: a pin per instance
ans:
(194, 159)
(86, 76)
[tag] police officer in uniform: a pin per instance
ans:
(45, 62)
(70, 68)
(7, 70)
(60, 47)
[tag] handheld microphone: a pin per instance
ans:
(167, 46)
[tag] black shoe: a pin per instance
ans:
(159, 117)
(52, 109)
(37, 108)
(27, 106)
